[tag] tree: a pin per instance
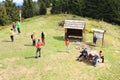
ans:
(107, 10)
(3, 16)
(36, 8)
(42, 7)
(27, 10)
(11, 10)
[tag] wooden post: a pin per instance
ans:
(20, 15)
(83, 35)
(103, 40)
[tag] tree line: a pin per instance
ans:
(9, 12)
(107, 10)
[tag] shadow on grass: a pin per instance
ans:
(6, 41)
(73, 39)
(60, 38)
(90, 44)
(28, 45)
(85, 61)
(31, 57)
(61, 51)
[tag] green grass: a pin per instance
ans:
(17, 62)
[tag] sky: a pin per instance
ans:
(18, 2)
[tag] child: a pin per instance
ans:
(14, 26)
(101, 56)
(67, 45)
(43, 38)
(33, 38)
(38, 46)
(12, 35)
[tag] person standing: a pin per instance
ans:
(38, 46)
(94, 39)
(18, 27)
(43, 38)
(12, 35)
(67, 45)
(33, 39)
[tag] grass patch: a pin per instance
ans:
(18, 62)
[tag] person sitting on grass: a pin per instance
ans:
(33, 38)
(95, 60)
(101, 56)
(38, 46)
(84, 54)
(12, 35)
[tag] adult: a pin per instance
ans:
(95, 60)
(84, 54)
(38, 46)
(43, 38)
(18, 27)
(94, 39)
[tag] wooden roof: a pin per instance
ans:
(98, 30)
(74, 24)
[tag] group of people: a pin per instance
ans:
(13, 30)
(89, 56)
(39, 44)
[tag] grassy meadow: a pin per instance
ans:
(17, 60)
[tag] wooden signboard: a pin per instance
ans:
(99, 33)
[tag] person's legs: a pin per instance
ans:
(102, 59)
(67, 49)
(39, 52)
(34, 42)
(96, 62)
(18, 30)
(12, 38)
(93, 61)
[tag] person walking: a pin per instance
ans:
(18, 27)
(38, 46)
(12, 35)
(67, 45)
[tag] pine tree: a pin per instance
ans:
(11, 10)
(3, 16)
(27, 10)
(42, 7)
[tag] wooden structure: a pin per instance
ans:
(99, 33)
(74, 28)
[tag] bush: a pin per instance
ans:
(61, 23)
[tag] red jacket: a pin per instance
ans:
(39, 45)
(67, 42)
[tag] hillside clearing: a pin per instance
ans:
(17, 60)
